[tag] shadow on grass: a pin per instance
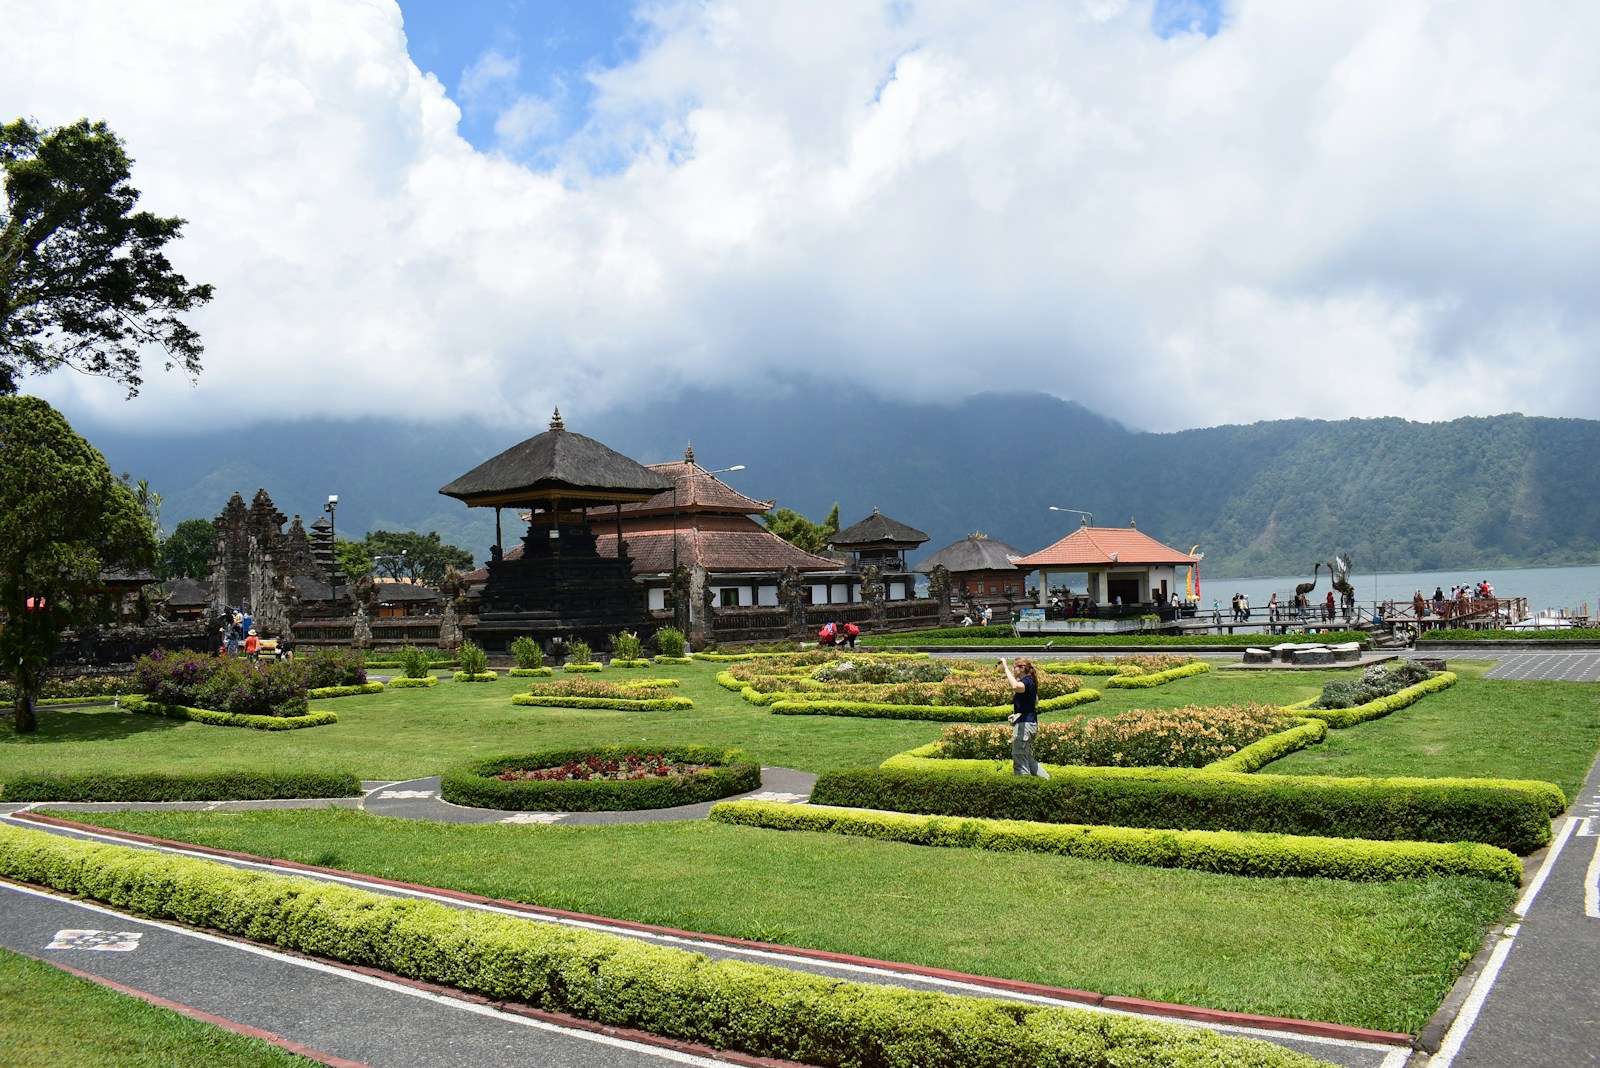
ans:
(95, 723)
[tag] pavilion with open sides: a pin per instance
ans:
(1129, 574)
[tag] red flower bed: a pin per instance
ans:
(627, 767)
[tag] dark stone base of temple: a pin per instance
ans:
(560, 588)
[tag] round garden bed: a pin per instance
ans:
(604, 779)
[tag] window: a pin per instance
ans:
(728, 597)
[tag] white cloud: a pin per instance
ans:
(1327, 209)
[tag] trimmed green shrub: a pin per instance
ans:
(1338, 718)
(1511, 815)
(213, 718)
(404, 683)
(578, 652)
(619, 704)
(664, 659)
(80, 688)
(474, 661)
(626, 646)
(586, 667)
(223, 684)
(1273, 747)
(482, 676)
(199, 786)
(527, 652)
(414, 663)
(634, 663)
(531, 672)
(1220, 852)
(828, 706)
(728, 1004)
(671, 643)
(327, 692)
(478, 784)
(1129, 682)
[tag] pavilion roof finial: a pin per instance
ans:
(555, 421)
(1131, 524)
(688, 454)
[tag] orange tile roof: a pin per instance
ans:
(1093, 546)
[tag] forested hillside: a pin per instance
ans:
(1269, 498)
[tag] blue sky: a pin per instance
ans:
(490, 53)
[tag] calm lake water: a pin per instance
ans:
(1569, 590)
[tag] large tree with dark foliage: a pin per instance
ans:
(64, 519)
(84, 282)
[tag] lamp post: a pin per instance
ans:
(333, 551)
(677, 614)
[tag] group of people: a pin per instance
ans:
(979, 615)
(1459, 598)
(235, 634)
(838, 634)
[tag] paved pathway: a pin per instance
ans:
(1560, 667)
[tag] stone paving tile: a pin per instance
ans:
(1558, 667)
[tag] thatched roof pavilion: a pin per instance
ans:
(556, 466)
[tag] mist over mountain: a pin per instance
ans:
(1268, 498)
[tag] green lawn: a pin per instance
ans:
(1373, 955)
(48, 1017)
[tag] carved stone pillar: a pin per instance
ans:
(939, 590)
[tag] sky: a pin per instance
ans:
(1179, 214)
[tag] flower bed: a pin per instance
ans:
(610, 778)
(1132, 664)
(81, 688)
(1188, 737)
(223, 684)
(228, 719)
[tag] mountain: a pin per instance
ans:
(1269, 498)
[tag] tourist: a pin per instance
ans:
(1272, 608)
(1327, 612)
(252, 647)
(1024, 718)
(848, 634)
(1244, 607)
(828, 634)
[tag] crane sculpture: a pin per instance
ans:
(1306, 587)
(1340, 572)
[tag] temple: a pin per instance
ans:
(558, 585)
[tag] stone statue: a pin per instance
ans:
(790, 588)
(939, 590)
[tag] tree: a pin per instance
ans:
(353, 559)
(83, 279)
(801, 532)
(63, 519)
(407, 554)
(186, 553)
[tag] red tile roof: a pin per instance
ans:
(698, 491)
(1093, 546)
(717, 543)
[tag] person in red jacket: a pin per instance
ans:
(847, 634)
(252, 646)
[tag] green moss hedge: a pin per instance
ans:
(207, 786)
(937, 713)
(1260, 753)
(475, 784)
(620, 704)
(1156, 678)
(588, 668)
(635, 662)
(728, 1004)
(1220, 852)
(323, 693)
(482, 676)
(673, 659)
(531, 673)
(227, 719)
(1513, 815)
(404, 683)
(1339, 718)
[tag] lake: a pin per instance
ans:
(1561, 590)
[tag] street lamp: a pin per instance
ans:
(677, 613)
(1088, 517)
(333, 551)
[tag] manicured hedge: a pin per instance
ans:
(1338, 718)
(624, 982)
(482, 676)
(1513, 815)
(967, 637)
(590, 667)
(1548, 634)
(673, 659)
(323, 693)
(1273, 747)
(200, 786)
(475, 784)
(228, 719)
(531, 673)
(636, 662)
(1157, 678)
(937, 713)
(1221, 852)
(404, 683)
(620, 704)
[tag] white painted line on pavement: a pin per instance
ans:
(392, 987)
(1586, 827)
(1567, 827)
(1591, 885)
(1468, 1016)
(1397, 1058)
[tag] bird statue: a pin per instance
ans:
(1306, 587)
(1340, 571)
